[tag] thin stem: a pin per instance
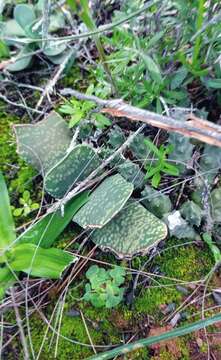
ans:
(199, 24)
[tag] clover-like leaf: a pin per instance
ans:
(133, 230)
(104, 203)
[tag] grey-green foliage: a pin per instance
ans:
(215, 201)
(192, 213)
(155, 201)
(132, 173)
(44, 144)
(139, 149)
(134, 230)
(70, 170)
(209, 166)
(104, 203)
(47, 146)
(27, 25)
(179, 227)
(183, 150)
(116, 137)
(210, 162)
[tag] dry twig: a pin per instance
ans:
(190, 126)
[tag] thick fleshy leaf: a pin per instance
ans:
(44, 232)
(6, 280)
(24, 15)
(42, 145)
(71, 169)
(35, 261)
(104, 203)
(60, 58)
(7, 228)
(22, 62)
(12, 29)
(53, 48)
(132, 231)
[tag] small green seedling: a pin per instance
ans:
(213, 248)
(80, 110)
(27, 206)
(77, 109)
(161, 164)
(104, 288)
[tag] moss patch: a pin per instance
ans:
(185, 263)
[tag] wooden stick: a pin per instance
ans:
(190, 125)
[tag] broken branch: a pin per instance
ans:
(190, 125)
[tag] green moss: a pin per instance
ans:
(18, 175)
(185, 263)
(8, 156)
(141, 354)
(71, 328)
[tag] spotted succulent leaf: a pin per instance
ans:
(104, 203)
(73, 168)
(134, 230)
(192, 213)
(215, 201)
(42, 145)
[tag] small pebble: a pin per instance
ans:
(73, 313)
(175, 319)
(182, 289)
(217, 297)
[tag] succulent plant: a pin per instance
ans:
(192, 213)
(47, 147)
(182, 150)
(132, 173)
(139, 149)
(44, 144)
(179, 227)
(134, 230)
(215, 201)
(25, 28)
(74, 167)
(210, 162)
(104, 203)
(116, 137)
(209, 166)
(155, 201)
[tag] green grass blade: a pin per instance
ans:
(6, 280)
(46, 230)
(184, 330)
(7, 227)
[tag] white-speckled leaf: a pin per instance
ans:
(104, 203)
(42, 145)
(134, 230)
(70, 170)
